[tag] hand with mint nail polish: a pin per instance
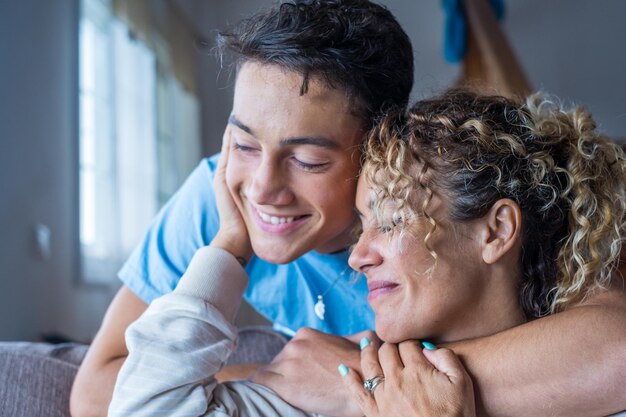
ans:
(343, 370)
(429, 346)
(365, 342)
(408, 368)
(308, 364)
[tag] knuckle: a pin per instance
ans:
(448, 355)
(304, 333)
(370, 367)
(291, 363)
(371, 335)
(387, 347)
(353, 382)
(292, 349)
(442, 352)
(410, 344)
(362, 397)
(393, 385)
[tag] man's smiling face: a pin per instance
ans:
(294, 162)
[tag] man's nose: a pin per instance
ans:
(269, 185)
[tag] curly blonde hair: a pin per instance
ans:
(568, 180)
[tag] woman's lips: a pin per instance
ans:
(277, 224)
(379, 289)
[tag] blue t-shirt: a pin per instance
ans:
(284, 294)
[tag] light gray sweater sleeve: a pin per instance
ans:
(182, 340)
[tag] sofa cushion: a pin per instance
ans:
(37, 378)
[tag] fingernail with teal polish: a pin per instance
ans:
(364, 343)
(343, 369)
(429, 346)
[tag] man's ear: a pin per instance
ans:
(502, 230)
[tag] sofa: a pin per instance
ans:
(36, 378)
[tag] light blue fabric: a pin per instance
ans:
(285, 294)
(455, 28)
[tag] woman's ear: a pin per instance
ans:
(502, 230)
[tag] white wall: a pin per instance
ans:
(575, 49)
(38, 182)
(572, 48)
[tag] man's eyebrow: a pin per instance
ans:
(298, 140)
(234, 121)
(310, 140)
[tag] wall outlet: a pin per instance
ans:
(43, 239)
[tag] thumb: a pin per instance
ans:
(447, 362)
(352, 381)
(226, 140)
(356, 338)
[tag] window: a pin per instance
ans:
(139, 138)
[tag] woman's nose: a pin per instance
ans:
(365, 254)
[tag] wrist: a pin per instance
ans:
(239, 248)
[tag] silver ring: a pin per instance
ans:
(371, 384)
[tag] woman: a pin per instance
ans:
(478, 214)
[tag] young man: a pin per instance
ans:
(312, 76)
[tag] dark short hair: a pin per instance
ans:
(354, 45)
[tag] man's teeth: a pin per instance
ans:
(273, 219)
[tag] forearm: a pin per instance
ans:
(237, 372)
(567, 364)
(93, 386)
(181, 342)
(92, 390)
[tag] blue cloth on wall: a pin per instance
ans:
(455, 28)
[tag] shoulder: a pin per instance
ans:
(210, 163)
(203, 173)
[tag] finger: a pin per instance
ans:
(365, 400)
(356, 338)
(448, 363)
(389, 358)
(412, 356)
(370, 365)
(226, 142)
(220, 171)
(309, 333)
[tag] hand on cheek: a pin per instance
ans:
(232, 235)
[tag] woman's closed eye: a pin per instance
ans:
(386, 228)
(391, 225)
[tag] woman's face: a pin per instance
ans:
(412, 295)
(294, 163)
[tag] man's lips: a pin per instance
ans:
(380, 288)
(273, 223)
